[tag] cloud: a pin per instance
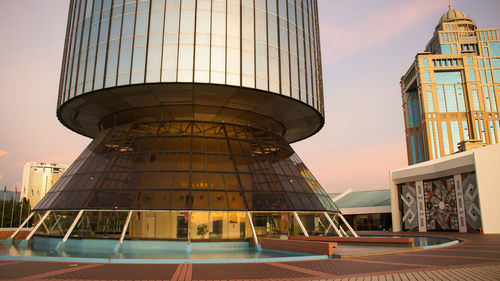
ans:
(1, 175)
(3, 154)
(374, 30)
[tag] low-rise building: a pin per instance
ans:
(453, 193)
(365, 210)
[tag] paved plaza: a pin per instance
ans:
(477, 258)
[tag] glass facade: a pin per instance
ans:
(187, 166)
(370, 222)
(192, 105)
(183, 226)
(450, 91)
(266, 45)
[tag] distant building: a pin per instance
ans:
(38, 179)
(365, 210)
(454, 193)
(451, 91)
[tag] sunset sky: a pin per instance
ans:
(366, 47)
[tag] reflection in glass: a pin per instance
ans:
(267, 45)
(202, 52)
(186, 41)
(126, 163)
(247, 47)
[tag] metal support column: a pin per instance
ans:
(21, 226)
(189, 246)
(57, 218)
(254, 234)
(37, 226)
(44, 225)
(125, 227)
(348, 225)
(341, 229)
(75, 221)
(300, 224)
(124, 231)
(61, 244)
(332, 224)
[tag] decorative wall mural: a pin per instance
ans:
(441, 204)
(409, 198)
(471, 202)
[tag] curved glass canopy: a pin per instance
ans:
(174, 165)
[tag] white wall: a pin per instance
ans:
(397, 224)
(488, 183)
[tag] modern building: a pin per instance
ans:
(453, 193)
(366, 210)
(38, 179)
(191, 106)
(451, 92)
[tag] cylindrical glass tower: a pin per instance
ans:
(192, 105)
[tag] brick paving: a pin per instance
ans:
(121, 272)
(347, 266)
(242, 271)
(477, 258)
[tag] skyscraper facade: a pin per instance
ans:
(191, 105)
(451, 92)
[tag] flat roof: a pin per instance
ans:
(367, 198)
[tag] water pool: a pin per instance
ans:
(87, 250)
(101, 250)
(426, 242)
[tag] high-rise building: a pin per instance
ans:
(451, 92)
(38, 179)
(191, 106)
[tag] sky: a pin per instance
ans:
(366, 47)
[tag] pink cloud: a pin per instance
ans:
(1, 175)
(383, 25)
(3, 154)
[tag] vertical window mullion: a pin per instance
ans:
(267, 53)
(63, 74)
(69, 52)
(194, 41)
(83, 5)
(73, 50)
(120, 44)
(289, 49)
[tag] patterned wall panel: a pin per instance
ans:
(441, 204)
(471, 201)
(462, 225)
(409, 201)
(419, 185)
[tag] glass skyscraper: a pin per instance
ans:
(451, 92)
(191, 105)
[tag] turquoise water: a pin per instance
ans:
(44, 248)
(422, 241)
(102, 250)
